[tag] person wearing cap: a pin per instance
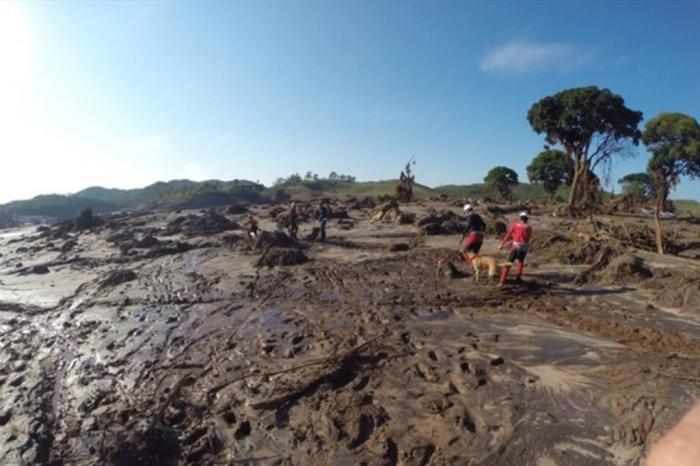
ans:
(519, 233)
(473, 236)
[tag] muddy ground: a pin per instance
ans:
(171, 338)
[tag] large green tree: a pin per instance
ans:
(592, 125)
(674, 142)
(550, 168)
(637, 184)
(501, 179)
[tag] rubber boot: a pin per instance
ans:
(521, 266)
(504, 275)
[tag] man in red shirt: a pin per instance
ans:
(519, 233)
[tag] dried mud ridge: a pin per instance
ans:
(170, 338)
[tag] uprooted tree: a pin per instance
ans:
(592, 125)
(674, 142)
(550, 168)
(501, 179)
(404, 190)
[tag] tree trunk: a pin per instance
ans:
(574, 187)
(657, 224)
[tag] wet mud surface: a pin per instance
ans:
(171, 338)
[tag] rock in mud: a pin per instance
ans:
(117, 277)
(36, 269)
(147, 241)
(399, 247)
(282, 256)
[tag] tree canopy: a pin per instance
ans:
(638, 184)
(501, 179)
(549, 168)
(592, 125)
(674, 142)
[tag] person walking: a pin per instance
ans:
(519, 233)
(293, 215)
(322, 215)
(473, 236)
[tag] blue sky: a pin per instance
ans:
(122, 94)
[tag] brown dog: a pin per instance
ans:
(483, 262)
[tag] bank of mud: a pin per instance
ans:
(163, 338)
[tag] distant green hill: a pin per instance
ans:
(176, 194)
(192, 194)
(687, 206)
(522, 192)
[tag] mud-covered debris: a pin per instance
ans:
(168, 247)
(680, 290)
(364, 203)
(148, 241)
(497, 228)
(236, 209)
(274, 211)
(388, 212)
(120, 236)
(626, 269)
(117, 277)
(35, 269)
(345, 224)
(275, 239)
(230, 240)
(444, 222)
(68, 246)
(282, 256)
(446, 268)
(339, 213)
(87, 221)
(209, 223)
(154, 444)
(439, 217)
(407, 218)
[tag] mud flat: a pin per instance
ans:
(164, 338)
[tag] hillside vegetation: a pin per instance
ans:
(193, 194)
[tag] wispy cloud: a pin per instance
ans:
(523, 56)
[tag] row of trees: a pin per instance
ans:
(311, 177)
(590, 127)
(593, 126)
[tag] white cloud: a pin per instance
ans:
(522, 56)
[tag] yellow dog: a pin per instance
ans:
(483, 262)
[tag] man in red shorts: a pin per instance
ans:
(473, 235)
(519, 233)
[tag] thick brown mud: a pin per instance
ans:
(171, 338)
